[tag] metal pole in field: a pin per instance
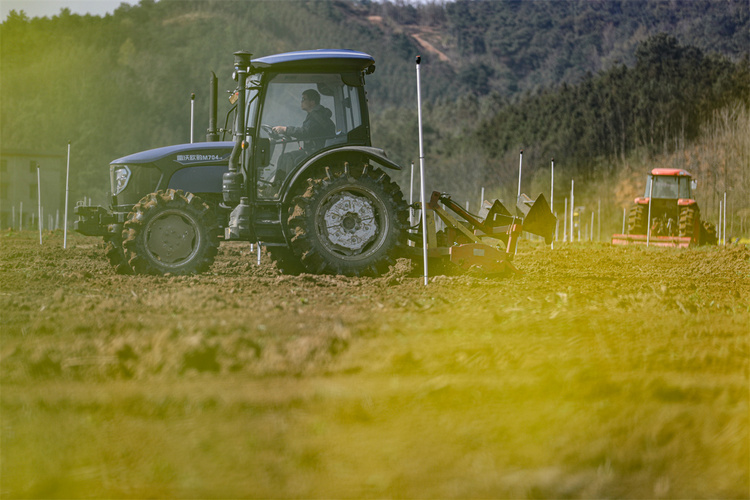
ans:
(39, 199)
(572, 207)
(552, 197)
(599, 222)
(411, 196)
(13, 216)
(259, 253)
(648, 220)
(20, 217)
(192, 115)
(65, 218)
(421, 172)
(565, 221)
(724, 227)
(591, 234)
(718, 226)
(624, 218)
(481, 200)
(520, 167)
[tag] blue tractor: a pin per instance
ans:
(299, 177)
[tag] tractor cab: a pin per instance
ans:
(669, 184)
(298, 105)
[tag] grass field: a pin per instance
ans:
(602, 372)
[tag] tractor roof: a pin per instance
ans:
(333, 60)
(671, 171)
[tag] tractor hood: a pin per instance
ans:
(199, 152)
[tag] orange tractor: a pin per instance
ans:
(667, 215)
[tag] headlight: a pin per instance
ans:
(119, 176)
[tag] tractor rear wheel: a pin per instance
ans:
(170, 232)
(349, 221)
(286, 261)
(688, 222)
(708, 234)
(637, 223)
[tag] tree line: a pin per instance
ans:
(590, 82)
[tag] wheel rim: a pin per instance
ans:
(172, 238)
(351, 223)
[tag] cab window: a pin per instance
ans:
(317, 110)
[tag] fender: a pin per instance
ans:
(376, 155)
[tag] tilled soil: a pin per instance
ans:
(66, 313)
(599, 372)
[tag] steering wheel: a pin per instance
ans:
(272, 133)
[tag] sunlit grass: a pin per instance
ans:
(602, 372)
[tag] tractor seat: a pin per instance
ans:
(340, 138)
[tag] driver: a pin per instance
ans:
(317, 126)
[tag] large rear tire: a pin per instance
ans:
(286, 261)
(171, 232)
(689, 223)
(349, 221)
(637, 223)
(708, 234)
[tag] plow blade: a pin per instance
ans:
(538, 217)
(657, 241)
(490, 259)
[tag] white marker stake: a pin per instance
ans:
(591, 234)
(259, 253)
(65, 218)
(572, 207)
(39, 199)
(648, 220)
(624, 218)
(520, 167)
(192, 115)
(724, 227)
(421, 172)
(411, 196)
(20, 217)
(565, 221)
(552, 197)
(481, 200)
(718, 227)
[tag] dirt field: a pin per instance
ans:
(600, 372)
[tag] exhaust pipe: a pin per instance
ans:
(212, 134)
(232, 180)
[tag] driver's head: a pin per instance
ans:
(310, 99)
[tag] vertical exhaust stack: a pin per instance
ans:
(232, 180)
(212, 134)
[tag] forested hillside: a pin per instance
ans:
(609, 88)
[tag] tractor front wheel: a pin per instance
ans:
(116, 254)
(170, 232)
